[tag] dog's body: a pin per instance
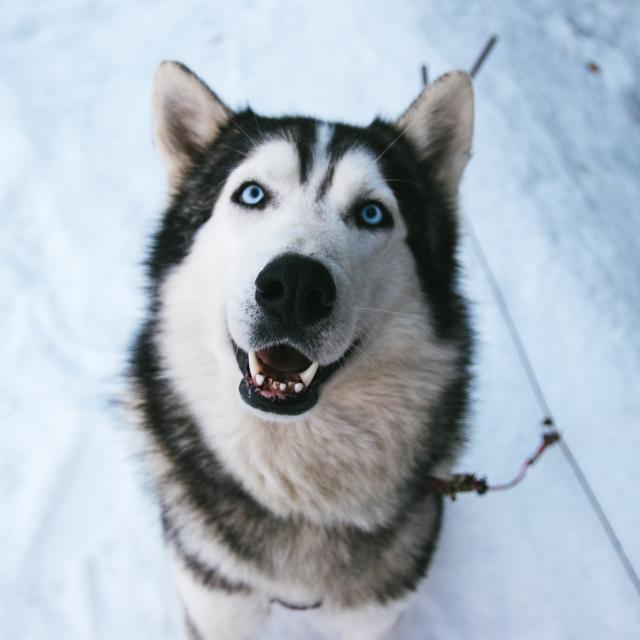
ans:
(304, 364)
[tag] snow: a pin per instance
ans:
(551, 192)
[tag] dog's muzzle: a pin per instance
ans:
(296, 297)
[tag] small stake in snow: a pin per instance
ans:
(480, 60)
(467, 482)
(424, 75)
(484, 54)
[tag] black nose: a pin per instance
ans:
(295, 290)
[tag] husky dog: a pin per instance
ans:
(304, 364)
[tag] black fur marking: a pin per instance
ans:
(326, 180)
(304, 139)
(208, 576)
(193, 633)
(296, 607)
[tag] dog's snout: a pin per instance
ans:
(295, 290)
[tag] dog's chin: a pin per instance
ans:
(279, 382)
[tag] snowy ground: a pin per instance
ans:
(552, 193)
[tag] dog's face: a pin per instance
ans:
(306, 258)
(290, 242)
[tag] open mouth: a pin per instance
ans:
(280, 379)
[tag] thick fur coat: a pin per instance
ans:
(313, 498)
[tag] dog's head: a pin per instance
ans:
(291, 245)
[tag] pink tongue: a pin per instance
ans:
(283, 359)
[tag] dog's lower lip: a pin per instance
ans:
(291, 400)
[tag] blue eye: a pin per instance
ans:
(372, 215)
(251, 195)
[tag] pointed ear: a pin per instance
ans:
(440, 125)
(188, 117)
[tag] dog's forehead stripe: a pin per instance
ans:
(304, 136)
(344, 139)
(327, 179)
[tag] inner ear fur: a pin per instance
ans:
(439, 123)
(188, 117)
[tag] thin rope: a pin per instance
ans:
(523, 356)
(508, 320)
(604, 521)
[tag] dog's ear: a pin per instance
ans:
(188, 117)
(439, 123)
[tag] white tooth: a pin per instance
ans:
(259, 379)
(283, 386)
(298, 387)
(307, 375)
(254, 364)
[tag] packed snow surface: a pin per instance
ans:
(552, 193)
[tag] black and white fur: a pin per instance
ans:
(327, 508)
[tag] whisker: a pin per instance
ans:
(255, 119)
(413, 182)
(365, 355)
(395, 313)
(244, 154)
(253, 142)
(360, 350)
(395, 140)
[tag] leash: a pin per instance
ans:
(468, 482)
